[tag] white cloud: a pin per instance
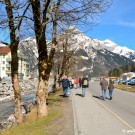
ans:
(127, 24)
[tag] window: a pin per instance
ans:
(3, 62)
(3, 56)
(3, 68)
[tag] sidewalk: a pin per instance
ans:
(90, 118)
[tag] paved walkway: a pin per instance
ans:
(91, 118)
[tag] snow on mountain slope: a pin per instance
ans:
(124, 51)
(79, 40)
(108, 43)
(2, 44)
(86, 43)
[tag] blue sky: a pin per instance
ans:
(117, 24)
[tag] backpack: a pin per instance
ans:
(85, 82)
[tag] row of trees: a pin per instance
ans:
(44, 19)
(120, 70)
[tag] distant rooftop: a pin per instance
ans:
(4, 50)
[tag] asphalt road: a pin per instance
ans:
(93, 116)
(122, 104)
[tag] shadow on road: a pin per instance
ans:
(77, 94)
(101, 98)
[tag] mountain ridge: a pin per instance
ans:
(97, 57)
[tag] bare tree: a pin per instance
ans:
(64, 57)
(48, 14)
(58, 12)
(13, 22)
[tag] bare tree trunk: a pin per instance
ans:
(45, 61)
(42, 92)
(14, 63)
(54, 83)
(41, 98)
(15, 82)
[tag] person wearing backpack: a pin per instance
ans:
(65, 85)
(72, 83)
(85, 85)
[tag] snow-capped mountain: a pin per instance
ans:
(94, 56)
(125, 52)
(101, 55)
(2, 44)
(84, 42)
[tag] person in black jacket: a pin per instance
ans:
(110, 88)
(65, 85)
(84, 84)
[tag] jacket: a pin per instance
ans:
(85, 86)
(104, 84)
(65, 83)
(111, 86)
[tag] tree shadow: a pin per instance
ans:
(63, 96)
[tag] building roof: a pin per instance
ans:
(4, 50)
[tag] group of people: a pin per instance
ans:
(105, 85)
(74, 83)
(84, 84)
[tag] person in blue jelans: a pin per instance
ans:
(65, 85)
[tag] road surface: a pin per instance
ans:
(93, 116)
(123, 102)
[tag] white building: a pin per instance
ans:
(127, 76)
(5, 64)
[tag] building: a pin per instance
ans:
(5, 64)
(127, 76)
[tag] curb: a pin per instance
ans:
(75, 118)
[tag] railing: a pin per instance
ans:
(8, 65)
(8, 71)
(8, 59)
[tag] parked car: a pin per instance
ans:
(131, 81)
(122, 81)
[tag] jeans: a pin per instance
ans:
(65, 90)
(104, 94)
(68, 90)
(76, 85)
(83, 91)
(110, 93)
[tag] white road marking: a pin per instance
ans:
(114, 114)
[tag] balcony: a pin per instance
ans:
(8, 71)
(8, 65)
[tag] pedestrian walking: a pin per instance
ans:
(76, 83)
(68, 91)
(80, 82)
(104, 85)
(110, 88)
(65, 86)
(85, 85)
(72, 83)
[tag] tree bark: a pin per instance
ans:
(15, 82)
(45, 61)
(54, 83)
(14, 62)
